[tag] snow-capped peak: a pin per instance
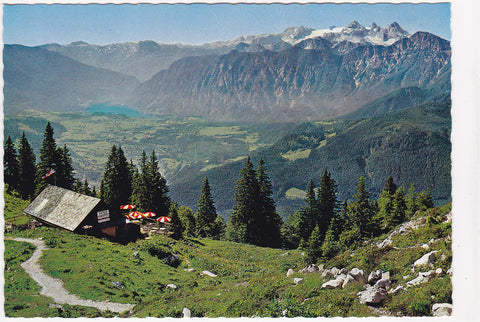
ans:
(356, 33)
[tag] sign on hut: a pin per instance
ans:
(75, 212)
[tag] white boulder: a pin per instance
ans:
(187, 313)
(426, 260)
(442, 309)
(171, 286)
(375, 276)
(358, 275)
(208, 273)
(297, 280)
(290, 272)
(371, 295)
(348, 280)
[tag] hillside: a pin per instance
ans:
(411, 145)
(249, 281)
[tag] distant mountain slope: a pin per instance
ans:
(36, 78)
(412, 145)
(296, 83)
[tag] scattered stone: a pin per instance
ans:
(187, 313)
(208, 273)
(423, 277)
(449, 271)
(284, 312)
(375, 276)
(398, 289)
(406, 277)
(334, 271)
(117, 284)
(443, 257)
(442, 309)
(385, 276)
(285, 254)
(386, 242)
(439, 271)
(135, 254)
(172, 260)
(290, 272)
(359, 275)
(372, 295)
(383, 283)
(448, 217)
(309, 269)
(191, 269)
(297, 280)
(348, 280)
(171, 286)
(336, 283)
(427, 259)
(343, 271)
(302, 253)
(425, 246)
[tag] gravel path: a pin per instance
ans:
(53, 287)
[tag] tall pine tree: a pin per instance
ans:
(269, 218)
(206, 213)
(327, 202)
(242, 225)
(308, 213)
(64, 168)
(361, 209)
(11, 170)
(48, 159)
(159, 188)
(116, 184)
(27, 169)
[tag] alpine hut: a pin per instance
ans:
(75, 212)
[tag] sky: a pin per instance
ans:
(33, 25)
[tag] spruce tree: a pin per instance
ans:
(64, 169)
(327, 202)
(242, 225)
(361, 210)
(411, 201)
(308, 213)
(176, 226)
(424, 200)
(141, 195)
(329, 246)
(314, 246)
(187, 217)
(11, 169)
(206, 213)
(268, 218)
(385, 205)
(159, 188)
(398, 214)
(27, 169)
(116, 184)
(48, 159)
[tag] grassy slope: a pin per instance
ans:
(13, 211)
(251, 280)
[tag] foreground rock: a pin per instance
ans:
(208, 273)
(442, 309)
(424, 277)
(297, 280)
(290, 272)
(186, 312)
(358, 275)
(372, 295)
(335, 283)
(426, 260)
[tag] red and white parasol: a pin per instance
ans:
(127, 207)
(134, 215)
(149, 214)
(164, 219)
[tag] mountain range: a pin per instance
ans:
(295, 75)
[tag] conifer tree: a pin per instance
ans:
(141, 195)
(158, 187)
(116, 184)
(308, 213)
(329, 246)
(11, 170)
(327, 202)
(26, 163)
(361, 210)
(206, 213)
(424, 200)
(411, 201)
(385, 205)
(64, 168)
(220, 228)
(48, 159)
(314, 245)
(187, 217)
(268, 217)
(399, 208)
(242, 225)
(176, 226)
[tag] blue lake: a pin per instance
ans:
(113, 109)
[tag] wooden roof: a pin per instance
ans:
(61, 207)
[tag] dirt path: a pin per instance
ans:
(53, 287)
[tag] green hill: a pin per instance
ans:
(251, 281)
(413, 146)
